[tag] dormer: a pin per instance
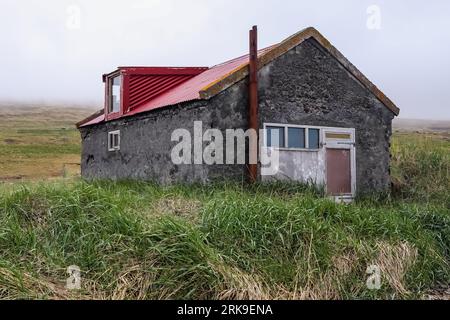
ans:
(129, 88)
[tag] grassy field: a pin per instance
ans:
(39, 142)
(142, 241)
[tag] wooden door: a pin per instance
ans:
(339, 178)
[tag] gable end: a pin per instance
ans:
(288, 44)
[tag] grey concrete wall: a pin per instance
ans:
(145, 148)
(306, 86)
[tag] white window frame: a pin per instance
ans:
(112, 148)
(110, 83)
(286, 138)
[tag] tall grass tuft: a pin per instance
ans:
(421, 167)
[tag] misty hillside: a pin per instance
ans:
(72, 113)
(422, 125)
(36, 115)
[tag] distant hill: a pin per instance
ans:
(43, 115)
(440, 126)
(68, 115)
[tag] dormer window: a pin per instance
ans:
(115, 91)
(130, 88)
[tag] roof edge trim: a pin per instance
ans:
(91, 117)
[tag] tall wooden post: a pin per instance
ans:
(253, 103)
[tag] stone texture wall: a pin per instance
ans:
(305, 86)
(145, 147)
(308, 86)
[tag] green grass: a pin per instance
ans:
(142, 241)
(138, 240)
(37, 142)
(40, 150)
(421, 166)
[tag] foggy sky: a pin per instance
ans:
(48, 55)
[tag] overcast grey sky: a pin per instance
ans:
(57, 50)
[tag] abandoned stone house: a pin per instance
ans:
(332, 125)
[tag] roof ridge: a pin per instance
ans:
(242, 56)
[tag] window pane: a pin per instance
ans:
(275, 137)
(296, 137)
(115, 94)
(110, 141)
(338, 136)
(116, 140)
(314, 138)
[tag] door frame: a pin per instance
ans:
(337, 143)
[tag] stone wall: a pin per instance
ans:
(145, 147)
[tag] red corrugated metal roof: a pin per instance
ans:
(143, 88)
(96, 120)
(190, 90)
(166, 90)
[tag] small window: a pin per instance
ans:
(314, 139)
(275, 137)
(114, 141)
(338, 136)
(296, 138)
(292, 137)
(114, 102)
